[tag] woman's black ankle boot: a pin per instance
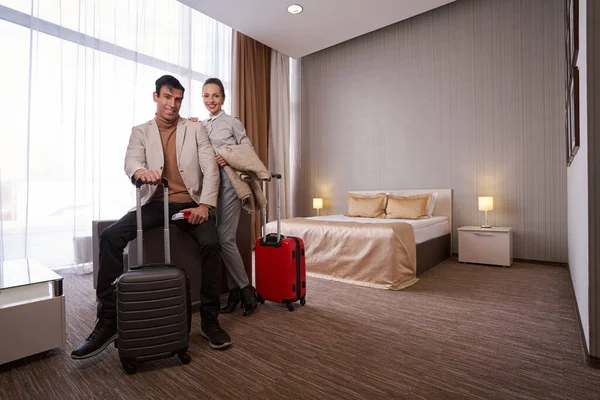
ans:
(248, 295)
(232, 301)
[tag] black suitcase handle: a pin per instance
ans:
(164, 181)
(153, 265)
(271, 240)
(140, 232)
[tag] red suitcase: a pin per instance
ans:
(280, 267)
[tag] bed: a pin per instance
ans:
(375, 252)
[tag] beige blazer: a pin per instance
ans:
(195, 158)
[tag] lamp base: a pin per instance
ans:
(486, 225)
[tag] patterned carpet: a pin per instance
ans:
(462, 332)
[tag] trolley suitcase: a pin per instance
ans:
(153, 304)
(280, 266)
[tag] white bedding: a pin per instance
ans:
(425, 229)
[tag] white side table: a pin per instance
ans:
(32, 309)
(485, 245)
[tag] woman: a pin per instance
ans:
(223, 130)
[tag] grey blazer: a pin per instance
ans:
(195, 158)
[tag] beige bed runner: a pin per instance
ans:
(375, 255)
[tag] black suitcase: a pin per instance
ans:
(153, 304)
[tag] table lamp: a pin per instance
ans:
(486, 204)
(317, 204)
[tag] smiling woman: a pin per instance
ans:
(78, 81)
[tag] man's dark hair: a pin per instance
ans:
(215, 81)
(170, 82)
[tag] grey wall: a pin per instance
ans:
(577, 189)
(469, 96)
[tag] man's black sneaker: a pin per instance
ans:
(216, 336)
(103, 334)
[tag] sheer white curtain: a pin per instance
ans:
(76, 76)
(279, 132)
(285, 127)
(295, 131)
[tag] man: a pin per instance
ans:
(179, 150)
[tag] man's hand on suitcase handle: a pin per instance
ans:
(151, 176)
(198, 214)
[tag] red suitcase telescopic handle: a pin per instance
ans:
(264, 211)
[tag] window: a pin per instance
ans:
(81, 74)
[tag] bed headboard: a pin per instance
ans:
(443, 204)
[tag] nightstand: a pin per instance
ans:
(485, 245)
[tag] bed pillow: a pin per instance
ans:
(434, 197)
(408, 207)
(369, 206)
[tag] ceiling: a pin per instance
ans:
(322, 24)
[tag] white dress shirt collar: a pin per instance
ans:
(217, 115)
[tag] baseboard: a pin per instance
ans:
(524, 260)
(591, 361)
(551, 263)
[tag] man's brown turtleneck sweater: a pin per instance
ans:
(178, 193)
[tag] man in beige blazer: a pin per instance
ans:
(179, 150)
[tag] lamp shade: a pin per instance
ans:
(486, 203)
(317, 203)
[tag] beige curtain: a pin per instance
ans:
(251, 85)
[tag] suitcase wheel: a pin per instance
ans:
(129, 366)
(303, 300)
(260, 299)
(290, 306)
(184, 357)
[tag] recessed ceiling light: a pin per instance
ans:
(295, 9)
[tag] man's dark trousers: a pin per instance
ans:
(115, 238)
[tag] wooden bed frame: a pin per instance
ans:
(436, 250)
